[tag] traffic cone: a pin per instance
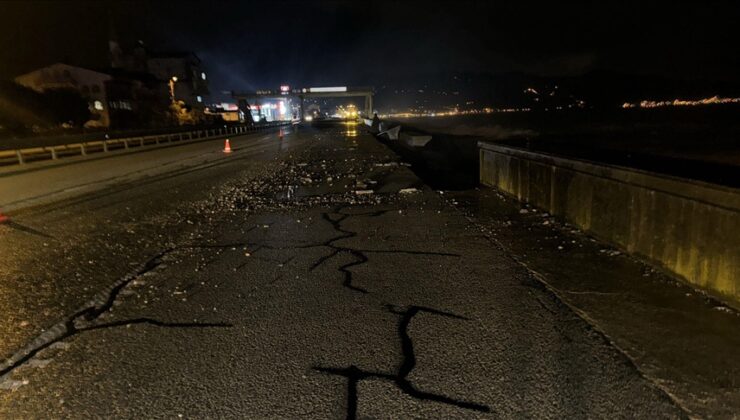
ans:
(227, 147)
(3, 218)
(281, 134)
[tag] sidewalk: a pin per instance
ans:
(340, 287)
(684, 340)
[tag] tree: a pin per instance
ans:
(181, 113)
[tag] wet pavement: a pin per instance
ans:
(683, 339)
(59, 254)
(315, 276)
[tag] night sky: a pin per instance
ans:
(252, 44)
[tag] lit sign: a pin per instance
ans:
(284, 89)
(328, 89)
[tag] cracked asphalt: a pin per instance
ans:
(315, 276)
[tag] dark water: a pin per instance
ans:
(701, 143)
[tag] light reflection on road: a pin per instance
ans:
(350, 128)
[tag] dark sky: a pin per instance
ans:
(251, 44)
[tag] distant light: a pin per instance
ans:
(174, 78)
(198, 98)
(714, 100)
(284, 88)
(203, 75)
(98, 105)
(328, 89)
(308, 118)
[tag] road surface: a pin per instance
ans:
(314, 276)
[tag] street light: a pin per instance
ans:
(172, 82)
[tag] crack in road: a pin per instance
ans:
(27, 229)
(358, 254)
(156, 323)
(400, 378)
(80, 321)
(353, 374)
(335, 218)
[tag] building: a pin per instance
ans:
(180, 75)
(185, 72)
(136, 91)
(226, 112)
(136, 100)
(89, 83)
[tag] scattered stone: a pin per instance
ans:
(38, 363)
(11, 384)
(60, 345)
(408, 191)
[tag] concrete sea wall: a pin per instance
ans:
(689, 228)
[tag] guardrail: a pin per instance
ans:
(35, 154)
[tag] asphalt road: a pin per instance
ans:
(313, 276)
(76, 229)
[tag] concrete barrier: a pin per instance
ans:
(390, 132)
(689, 228)
(412, 139)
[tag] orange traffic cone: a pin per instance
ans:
(227, 147)
(4, 218)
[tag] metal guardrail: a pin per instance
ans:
(35, 154)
